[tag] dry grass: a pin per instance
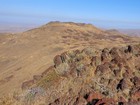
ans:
(49, 80)
(34, 96)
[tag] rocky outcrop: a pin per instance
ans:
(94, 77)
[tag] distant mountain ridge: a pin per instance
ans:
(131, 32)
(113, 31)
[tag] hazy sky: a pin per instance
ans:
(103, 13)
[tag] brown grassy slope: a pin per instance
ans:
(29, 53)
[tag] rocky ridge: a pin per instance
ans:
(110, 76)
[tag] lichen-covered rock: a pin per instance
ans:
(106, 101)
(94, 95)
(136, 95)
(105, 56)
(27, 84)
(37, 77)
(89, 51)
(136, 81)
(95, 61)
(63, 69)
(57, 60)
(103, 69)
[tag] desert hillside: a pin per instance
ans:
(28, 54)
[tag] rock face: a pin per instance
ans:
(93, 77)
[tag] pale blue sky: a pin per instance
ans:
(102, 13)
